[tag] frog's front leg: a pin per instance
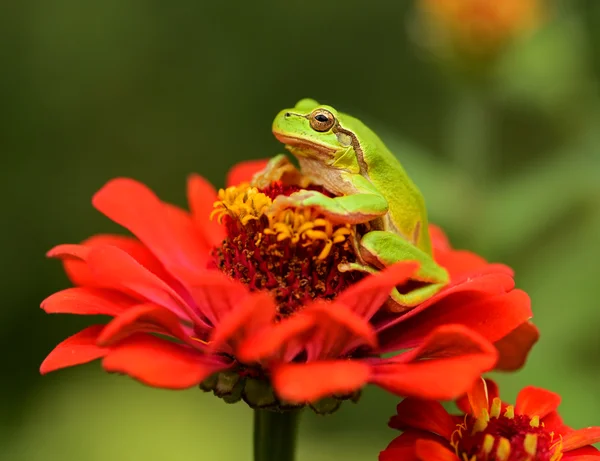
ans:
(350, 209)
(278, 168)
(380, 249)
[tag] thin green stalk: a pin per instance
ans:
(470, 143)
(470, 134)
(275, 435)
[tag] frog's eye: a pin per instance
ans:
(321, 120)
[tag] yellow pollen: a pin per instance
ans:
(495, 408)
(241, 202)
(486, 438)
(457, 434)
(488, 443)
(300, 226)
(535, 421)
(530, 444)
(481, 422)
(557, 447)
(503, 450)
(199, 340)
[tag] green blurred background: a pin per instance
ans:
(157, 90)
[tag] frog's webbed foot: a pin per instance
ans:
(346, 209)
(306, 199)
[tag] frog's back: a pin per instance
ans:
(407, 215)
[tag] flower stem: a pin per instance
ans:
(470, 139)
(275, 435)
(470, 133)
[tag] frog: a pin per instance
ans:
(370, 188)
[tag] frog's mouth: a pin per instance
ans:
(305, 147)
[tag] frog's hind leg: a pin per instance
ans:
(398, 302)
(379, 249)
(401, 302)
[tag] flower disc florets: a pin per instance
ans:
(500, 435)
(293, 253)
(489, 430)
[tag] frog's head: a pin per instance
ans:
(311, 130)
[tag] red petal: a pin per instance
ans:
(216, 295)
(308, 382)
(428, 450)
(87, 301)
(410, 436)
(116, 268)
(68, 251)
(73, 258)
(434, 379)
(478, 398)
(336, 331)
(534, 401)
(514, 347)
(554, 423)
(460, 262)
(426, 415)
(168, 232)
(201, 196)
(588, 453)
(493, 316)
(455, 358)
(133, 247)
(78, 271)
(326, 330)
(142, 318)
(580, 438)
(189, 238)
(75, 350)
(456, 294)
(275, 341)
(447, 341)
(243, 171)
(405, 445)
(367, 296)
(398, 454)
(252, 313)
(439, 241)
(161, 363)
(492, 392)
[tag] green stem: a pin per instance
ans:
(470, 133)
(275, 435)
(470, 142)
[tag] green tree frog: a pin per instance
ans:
(344, 156)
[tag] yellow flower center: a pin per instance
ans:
(241, 202)
(504, 436)
(302, 227)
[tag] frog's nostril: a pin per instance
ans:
(287, 114)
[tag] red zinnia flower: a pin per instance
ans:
(490, 430)
(260, 299)
(480, 26)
